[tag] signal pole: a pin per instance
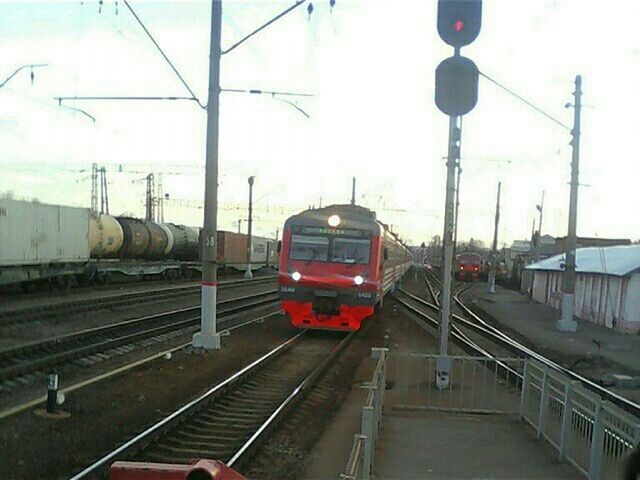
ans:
(456, 94)
(208, 337)
(248, 273)
(567, 322)
(455, 226)
(443, 363)
(494, 248)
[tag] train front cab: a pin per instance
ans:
(318, 289)
(323, 294)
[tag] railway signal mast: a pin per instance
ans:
(456, 94)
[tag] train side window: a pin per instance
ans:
(385, 254)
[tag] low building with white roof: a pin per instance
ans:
(607, 285)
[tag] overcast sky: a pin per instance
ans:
(370, 65)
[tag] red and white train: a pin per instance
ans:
(336, 264)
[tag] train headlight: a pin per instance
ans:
(358, 280)
(296, 276)
(334, 220)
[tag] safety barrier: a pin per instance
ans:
(592, 434)
(477, 384)
(360, 461)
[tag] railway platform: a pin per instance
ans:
(536, 323)
(472, 431)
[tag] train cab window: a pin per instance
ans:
(306, 247)
(350, 250)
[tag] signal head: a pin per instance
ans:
(459, 21)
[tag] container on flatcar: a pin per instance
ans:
(157, 241)
(263, 252)
(36, 233)
(136, 237)
(105, 236)
(231, 250)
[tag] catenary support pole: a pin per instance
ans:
(208, 337)
(493, 264)
(248, 273)
(443, 363)
(567, 323)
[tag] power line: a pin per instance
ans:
(266, 92)
(136, 98)
(257, 30)
(525, 101)
(193, 95)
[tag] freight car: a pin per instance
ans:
(336, 265)
(49, 243)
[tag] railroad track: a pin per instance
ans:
(477, 324)
(232, 419)
(64, 309)
(119, 338)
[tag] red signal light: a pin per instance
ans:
(458, 25)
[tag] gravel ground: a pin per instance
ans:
(104, 415)
(12, 336)
(15, 299)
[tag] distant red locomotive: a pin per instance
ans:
(336, 264)
(468, 266)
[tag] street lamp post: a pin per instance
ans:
(248, 273)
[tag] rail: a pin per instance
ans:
(360, 462)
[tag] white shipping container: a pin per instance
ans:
(34, 233)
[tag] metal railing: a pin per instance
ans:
(360, 461)
(592, 434)
(478, 384)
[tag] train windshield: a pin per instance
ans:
(311, 248)
(350, 250)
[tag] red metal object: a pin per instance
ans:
(349, 317)
(197, 470)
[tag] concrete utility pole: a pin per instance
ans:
(443, 363)
(248, 273)
(353, 191)
(494, 248)
(208, 337)
(567, 322)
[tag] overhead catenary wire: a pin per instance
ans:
(263, 26)
(524, 100)
(175, 70)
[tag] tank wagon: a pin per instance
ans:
(52, 243)
(336, 264)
